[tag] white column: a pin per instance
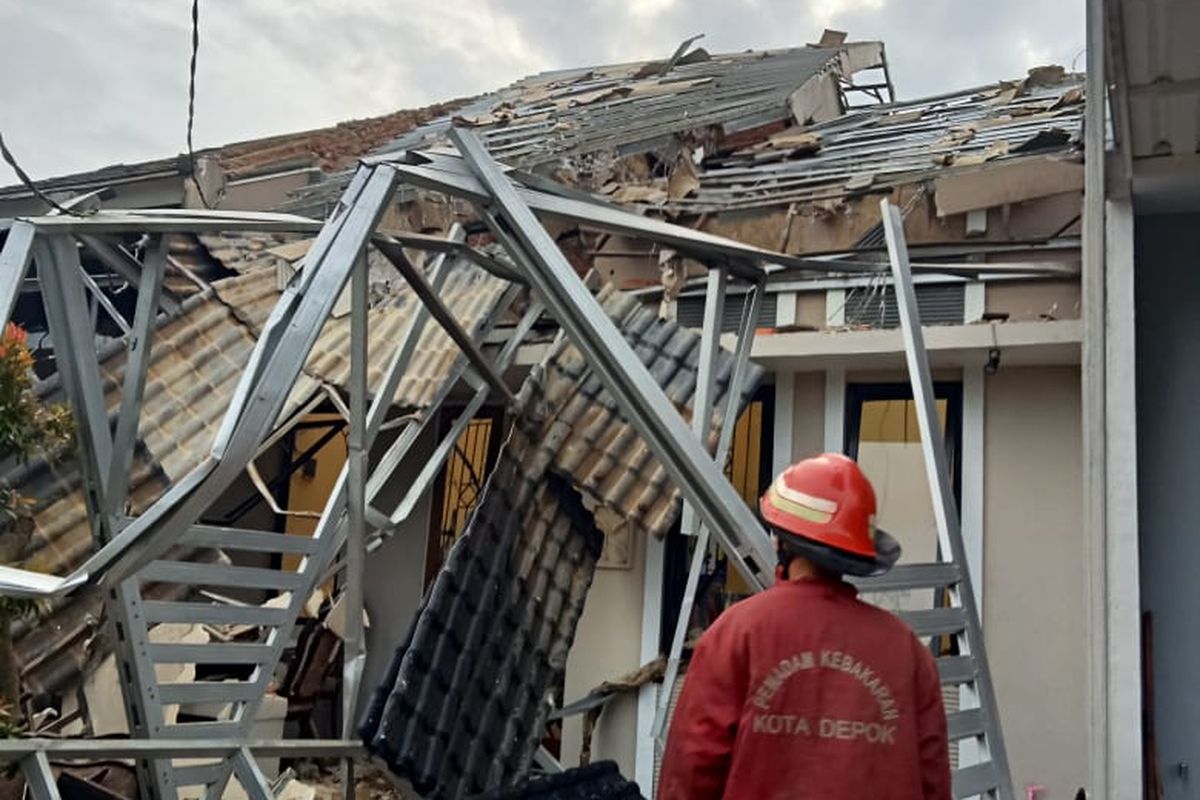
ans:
(972, 519)
(785, 395)
(974, 302)
(1123, 602)
(972, 476)
(1093, 389)
(835, 308)
(835, 410)
(643, 761)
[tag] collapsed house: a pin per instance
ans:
(989, 181)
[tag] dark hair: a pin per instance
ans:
(826, 558)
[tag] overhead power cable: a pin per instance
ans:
(23, 176)
(191, 118)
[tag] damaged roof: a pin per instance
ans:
(462, 706)
(880, 147)
(197, 357)
(997, 145)
(332, 148)
(615, 110)
(635, 107)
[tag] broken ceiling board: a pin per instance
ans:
(653, 195)
(858, 56)
(974, 158)
(667, 87)
(817, 100)
(1048, 75)
(1012, 181)
(102, 695)
(797, 140)
(1070, 97)
(292, 251)
(338, 615)
(683, 180)
(831, 38)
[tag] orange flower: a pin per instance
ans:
(15, 333)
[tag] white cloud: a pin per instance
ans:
(94, 82)
(647, 9)
(824, 12)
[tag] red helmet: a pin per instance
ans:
(828, 501)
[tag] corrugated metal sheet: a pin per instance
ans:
(469, 291)
(196, 360)
(616, 110)
(621, 108)
(894, 144)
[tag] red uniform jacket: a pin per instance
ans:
(804, 691)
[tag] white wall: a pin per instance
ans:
(1035, 619)
(394, 577)
(606, 647)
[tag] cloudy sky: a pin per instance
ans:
(86, 83)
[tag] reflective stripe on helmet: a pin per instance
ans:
(775, 498)
(807, 500)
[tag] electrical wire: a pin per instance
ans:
(191, 118)
(28, 183)
(23, 176)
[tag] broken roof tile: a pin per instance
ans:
(462, 707)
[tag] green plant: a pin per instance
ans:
(27, 427)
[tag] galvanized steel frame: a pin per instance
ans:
(640, 398)
(130, 549)
(752, 304)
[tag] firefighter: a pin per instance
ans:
(804, 691)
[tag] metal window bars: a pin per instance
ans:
(135, 550)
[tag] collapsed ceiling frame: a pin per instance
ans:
(132, 550)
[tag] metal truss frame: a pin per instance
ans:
(134, 550)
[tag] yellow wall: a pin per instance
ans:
(309, 492)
